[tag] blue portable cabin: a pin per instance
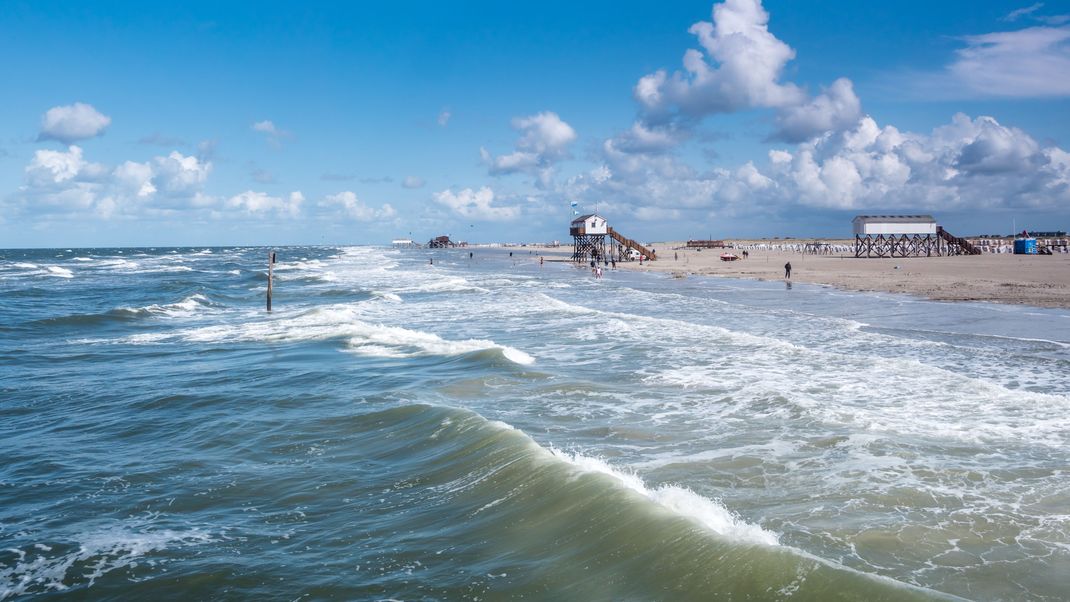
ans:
(1025, 246)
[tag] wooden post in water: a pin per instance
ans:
(271, 274)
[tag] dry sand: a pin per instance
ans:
(1041, 280)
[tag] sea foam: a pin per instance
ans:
(709, 513)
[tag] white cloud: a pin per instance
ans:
(69, 123)
(135, 178)
(476, 205)
(544, 133)
(273, 133)
(412, 182)
(56, 166)
(1016, 14)
(835, 109)
(1028, 63)
(506, 164)
(444, 117)
(266, 127)
(354, 208)
(58, 181)
(177, 174)
(648, 139)
(544, 140)
(741, 68)
(968, 163)
(261, 203)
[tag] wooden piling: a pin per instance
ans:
(271, 274)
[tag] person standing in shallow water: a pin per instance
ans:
(787, 270)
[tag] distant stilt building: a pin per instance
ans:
(589, 233)
(906, 236)
(589, 237)
(440, 242)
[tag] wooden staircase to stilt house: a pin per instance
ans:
(631, 244)
(956, 245)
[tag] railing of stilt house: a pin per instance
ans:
(631, 244)
(965, 247)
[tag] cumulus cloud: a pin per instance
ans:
(835, 109)
(353, 208)
(648, 139)
(476, 205)
(968, 163)
(70, 123)
(262, 204)
(444, 117)
(177, 174)
(741, 68)
(544, 140)
(63, 181)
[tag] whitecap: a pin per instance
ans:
(59, 272)
(709, 513)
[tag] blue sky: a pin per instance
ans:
(283, 123)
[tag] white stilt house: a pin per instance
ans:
(589, 237)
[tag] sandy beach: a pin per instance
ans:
(1041, 280)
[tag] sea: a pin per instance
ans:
(476, 424)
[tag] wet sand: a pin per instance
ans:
(1041, 280)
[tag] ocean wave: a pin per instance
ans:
(680, 500)
(54, 270)
(191, 305)
(335, 322)
(386, 296)
(61, 566)
(493, 492)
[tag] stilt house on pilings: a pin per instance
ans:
(440, 242)
(589, 237)
(589, 234)
(906, 236)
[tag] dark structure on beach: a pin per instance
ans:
(440, 242)
(589, 234)
(906, 236)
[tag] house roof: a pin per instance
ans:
(583, 218)
(896, 219)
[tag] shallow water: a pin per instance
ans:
(496, 429)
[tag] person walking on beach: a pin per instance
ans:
(787, 270)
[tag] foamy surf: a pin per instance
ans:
(189, 306)
(680, 500)
(56, 567)
(59, 272)
(331, 322)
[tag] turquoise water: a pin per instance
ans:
(493, 429)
